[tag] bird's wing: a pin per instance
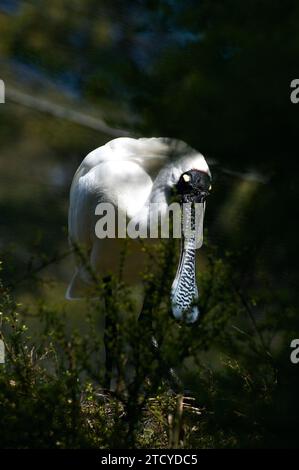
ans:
(120, 169)
(122, 183)
(150, 153)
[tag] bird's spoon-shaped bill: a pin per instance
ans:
(184, 292)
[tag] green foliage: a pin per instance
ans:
(51, 386)
(217, 74)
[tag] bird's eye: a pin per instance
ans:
(210, 188)
(186, 178)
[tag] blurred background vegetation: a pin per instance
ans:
(213, 73)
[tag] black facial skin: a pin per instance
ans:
(196, 189)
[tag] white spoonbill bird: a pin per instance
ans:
(133, 174)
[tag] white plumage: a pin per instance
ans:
(131, 174)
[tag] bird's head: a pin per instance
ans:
(194, 186)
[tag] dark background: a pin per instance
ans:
(216, 74)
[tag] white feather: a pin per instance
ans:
(131, 174)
